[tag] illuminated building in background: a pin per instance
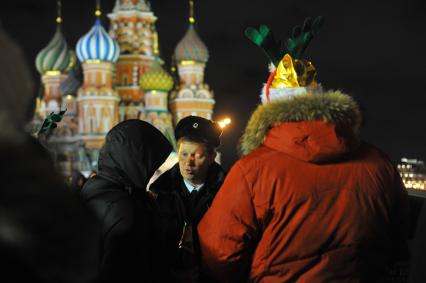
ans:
(132, 26)
(121, 77)
(54, 64)
(192, 96)
(157, 83)
(97, 99)
(413, 173)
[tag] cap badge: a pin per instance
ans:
(195, 125)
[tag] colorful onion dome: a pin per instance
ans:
(191, 47)
(156, 79)
(56, 56)
(97, 45)
(130, 5)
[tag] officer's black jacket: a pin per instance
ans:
(179, 209)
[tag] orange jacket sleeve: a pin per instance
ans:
(228, 230)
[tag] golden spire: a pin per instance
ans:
(98, 12)
(156, 48)
(58, 13)
(191, 12)
(173, 65)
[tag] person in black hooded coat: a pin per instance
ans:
(132, 152)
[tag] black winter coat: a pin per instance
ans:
(130, 238)
(46, 233)
(179, 211)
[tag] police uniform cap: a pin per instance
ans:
(199, 128)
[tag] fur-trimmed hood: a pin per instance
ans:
(338, 112)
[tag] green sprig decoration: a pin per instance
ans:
(302, 36)
(264, 38)
(50, 122)
(296, 44)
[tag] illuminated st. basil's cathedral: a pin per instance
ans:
(120, 76)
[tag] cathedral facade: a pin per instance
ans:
(118, 75)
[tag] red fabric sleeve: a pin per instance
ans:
(228, 230)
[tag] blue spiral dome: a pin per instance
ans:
(97, 45)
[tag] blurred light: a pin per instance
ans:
(225, 122)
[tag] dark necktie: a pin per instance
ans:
(193, 199)
(193, 194)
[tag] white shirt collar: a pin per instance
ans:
(191, 187)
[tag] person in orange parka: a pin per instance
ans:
(309, 201)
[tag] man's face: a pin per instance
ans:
(194, 161)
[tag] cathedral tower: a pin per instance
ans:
(192, 96)
(132, 25)
(97, 99)
(53, 63)
(157, 84)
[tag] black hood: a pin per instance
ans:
(133, 150)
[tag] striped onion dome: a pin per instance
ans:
(156, 79)
(97, 45)
(56, 56)
(191, 47)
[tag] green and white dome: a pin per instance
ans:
(56, 56)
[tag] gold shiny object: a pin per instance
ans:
(191, 12)
(294, 73)
(98, 13)
(156, 48)
(307, 73)
(285, 75)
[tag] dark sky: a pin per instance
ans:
(373, 50)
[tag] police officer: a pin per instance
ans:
(185, 192)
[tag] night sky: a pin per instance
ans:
(373, 50)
